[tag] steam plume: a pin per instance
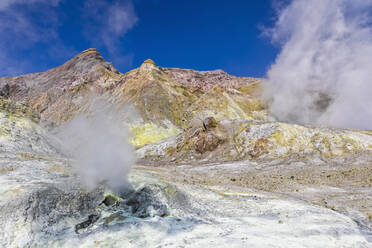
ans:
(323, 74)
(98, 142)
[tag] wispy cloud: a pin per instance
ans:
(4, 4)
(30, 26)
(23, 25)
(323, 72)
(106, 23)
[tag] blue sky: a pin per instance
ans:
(200, 34)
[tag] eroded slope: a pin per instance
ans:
(166, 100)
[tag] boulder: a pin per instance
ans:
(209, 123)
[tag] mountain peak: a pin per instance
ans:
(87, 66)
(148, 65)
(89, 51)
(149, 61)
(87, 61)
(89, 55)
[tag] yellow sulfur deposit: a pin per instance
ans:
(150, 133)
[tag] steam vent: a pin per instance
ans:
(171, 157)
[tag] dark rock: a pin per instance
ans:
(144, 203)
(50, 205)
(90, 221)
(109, 200)
(5, 91)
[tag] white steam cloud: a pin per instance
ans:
(98, 143)
(323, 74)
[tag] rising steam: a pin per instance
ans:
(97, 141)
(323, 74)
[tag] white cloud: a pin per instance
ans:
(325, 59)
(24, 24)
(107, 22)
(5, 4)
(121, 18)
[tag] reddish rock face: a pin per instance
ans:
(206, 142)
(56, 94)
(84, 68)
(206, 80)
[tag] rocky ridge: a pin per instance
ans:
(166, 100)
(257, 141)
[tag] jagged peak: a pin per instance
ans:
(89, 51)
(86, 60)
(148, 65)
(149, 61)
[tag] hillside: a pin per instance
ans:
(210, 156)
(166, 100)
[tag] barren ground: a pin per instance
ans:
(343, 185)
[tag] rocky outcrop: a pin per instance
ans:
(59, 93)
(257, 141)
